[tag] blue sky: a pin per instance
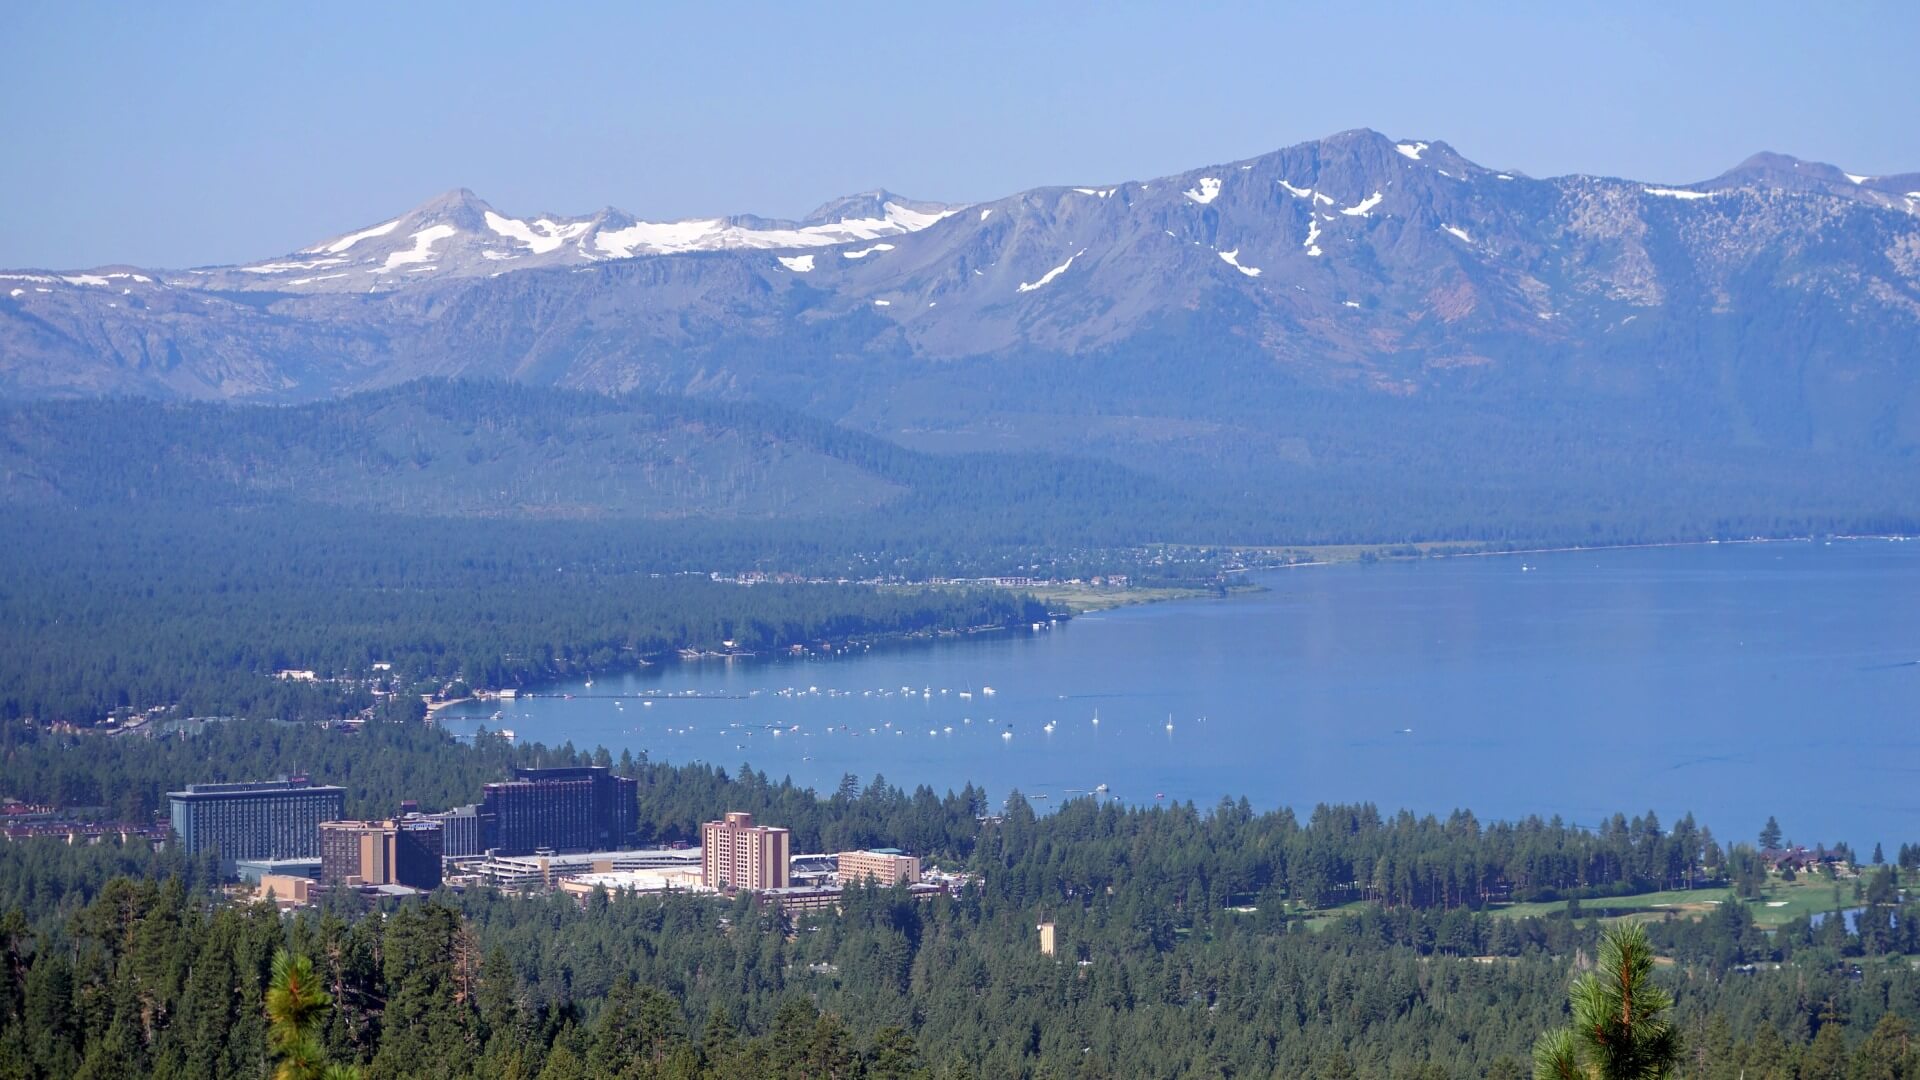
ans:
(176, 134)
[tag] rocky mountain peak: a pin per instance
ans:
(867, 205)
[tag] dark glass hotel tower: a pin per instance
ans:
(573, 809)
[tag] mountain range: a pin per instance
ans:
(1351, 310)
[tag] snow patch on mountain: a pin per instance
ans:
(1360, 208)
(1856, 179)
(1232, 258)
(1306, 193)
(662, 237)
(540, 236)
(347, 241)
(1677, 193)
(1312, 243)
(1411, 151)
(422, 248)
(1459, 232)
(1207, 190)
(864, 252)
(283, 267)
(799, 264)
(717, 234)
(1026, 286)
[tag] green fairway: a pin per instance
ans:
(1780, 903)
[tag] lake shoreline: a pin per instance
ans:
(1429, 687)
(1341, 554)
(1084, 601)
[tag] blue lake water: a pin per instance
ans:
(1733, 680)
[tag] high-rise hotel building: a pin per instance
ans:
(274, 819)
(583, 808)
(737, 854)
(403, 851)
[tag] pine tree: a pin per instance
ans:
(1620, 1030)
(1826, 1058)
(893, 1055)
(1888, 1053)
(1770, 835)
(296, 1009)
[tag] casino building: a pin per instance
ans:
(583, 808)
(272, 819)
(737, 854)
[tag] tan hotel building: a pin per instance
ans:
(737, 854)
(886, 866)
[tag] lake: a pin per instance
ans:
(1732, 680)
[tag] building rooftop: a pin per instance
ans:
(252, 787)
(650, 879)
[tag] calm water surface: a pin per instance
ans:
(1734, 681)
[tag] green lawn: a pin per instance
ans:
(1080, 599)
(1780, 903)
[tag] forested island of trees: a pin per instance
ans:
(1193, 942)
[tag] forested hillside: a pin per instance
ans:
(199, 614)
(725, 475)
(439, 448)
(1194, 943)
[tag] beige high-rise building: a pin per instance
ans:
(886, 866)
(395, 852)
(737, 854)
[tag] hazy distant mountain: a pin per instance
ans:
(1302, 309)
